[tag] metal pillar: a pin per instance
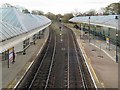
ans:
(8, 57)
(109, 37)
(116, 17)
(94, 30)
(24, 45)
(89, 29)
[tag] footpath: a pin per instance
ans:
(101, 61)
(12, 75)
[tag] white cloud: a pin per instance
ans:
(60, 6)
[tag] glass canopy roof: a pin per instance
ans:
(13, 22)
(107, 20)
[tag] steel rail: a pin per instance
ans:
(87, 66)
(84, 85)
(40, 65)
(68, 81)
(51, 64)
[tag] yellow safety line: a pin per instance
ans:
(90, 64)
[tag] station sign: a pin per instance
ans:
(0, 57)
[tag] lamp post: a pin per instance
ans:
(60, 29)
(116, 17)
(94, 31)
(89, 29)
(81, 32)
(109, 37)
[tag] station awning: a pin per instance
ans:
(13, 22)
(16, 26)
(105, 20)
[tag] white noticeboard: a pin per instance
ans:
(107, 40)
(107, 43)
(11, 54)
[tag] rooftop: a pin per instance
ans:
(106, 20)
(13, 22)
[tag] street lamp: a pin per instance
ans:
(116, 17)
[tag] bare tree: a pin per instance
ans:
(91, 12)
(76, 13)
(7, 5)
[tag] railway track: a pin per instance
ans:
(86, 81)
(41, 68)
(41, 77)
(60, 65)
(75, 75)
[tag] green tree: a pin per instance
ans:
(66, 17)
(51, 16)
(37, 12)
(113, 8)
(58, 17)
(25, 11)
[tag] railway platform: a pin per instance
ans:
(12, 75)
(101, 61)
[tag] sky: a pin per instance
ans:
(60, 6)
